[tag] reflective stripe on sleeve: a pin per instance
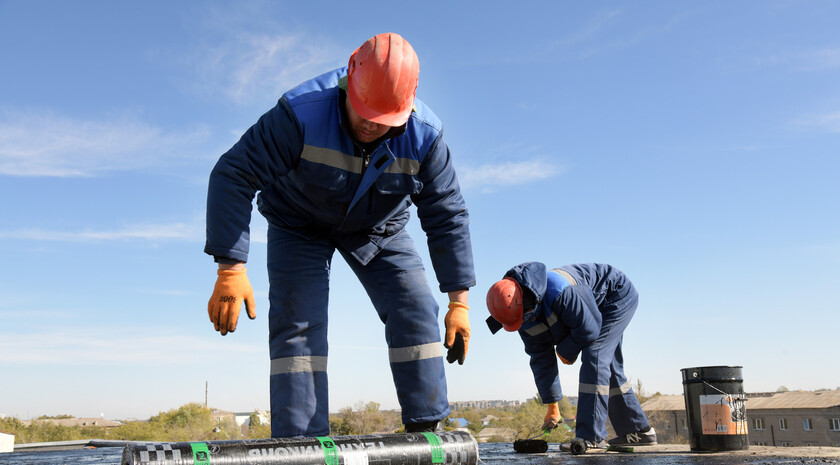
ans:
(414, 353)
(538, 328)
(301, 364)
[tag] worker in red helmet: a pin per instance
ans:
(570, 313)
(337, 163)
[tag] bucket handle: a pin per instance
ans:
(742, 399)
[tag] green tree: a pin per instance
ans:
(527, 419)
(189, 422)
(473, 417)
(366, 419)
(259, 432)
(640, 392)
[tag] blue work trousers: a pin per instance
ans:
(604, 390)
(395, 281)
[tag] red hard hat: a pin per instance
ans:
(504, 300)
(382, 79)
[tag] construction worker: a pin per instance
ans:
(337, 163)
(571, 312)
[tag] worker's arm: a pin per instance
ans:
(543, 366)
(268, 150)
(459, 296)
(579, 312)
(232, 266)
(444, 218)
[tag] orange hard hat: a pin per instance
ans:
(504, 300)
(382, 79)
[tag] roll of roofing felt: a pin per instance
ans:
(447, 448)
(530, 446)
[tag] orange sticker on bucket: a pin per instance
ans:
(722, 414)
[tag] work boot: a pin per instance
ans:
(639, 438)
(435, 426)
(595, 445)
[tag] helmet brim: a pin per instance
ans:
(388, 119)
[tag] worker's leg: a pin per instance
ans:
(626, 414)
(396, 282)
(298, 272)
(597, 369)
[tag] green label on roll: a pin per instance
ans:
(201, 455)
(330, 451)
(437, 450)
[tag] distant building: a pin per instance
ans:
(484, 403)
(786, 419)
(81, 422)
(218, 415)
(496, 435)
(244, 418)
(7, 442)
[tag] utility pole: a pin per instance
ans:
(205, 393)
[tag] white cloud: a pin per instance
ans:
(488, 177)
(805, 60)
(258, 68)
(193, 231)
(115, 346)
(151, 232)
(827, 122)
(46, 144)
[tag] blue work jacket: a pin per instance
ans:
(314, 179)
(566, 316)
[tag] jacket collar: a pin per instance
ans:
(533, 278)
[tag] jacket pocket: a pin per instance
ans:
(322, 176)
(398, 184)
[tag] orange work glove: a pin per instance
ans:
(232, 288)
(457, 338)
(552, 417)
(565, 362)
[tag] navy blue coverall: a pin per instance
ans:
(581, 310)
(322, 191)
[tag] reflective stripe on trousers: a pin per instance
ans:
(395, 281)
(604, 391)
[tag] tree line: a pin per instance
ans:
(190, 422)
(194, 422)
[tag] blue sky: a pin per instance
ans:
(694, 145)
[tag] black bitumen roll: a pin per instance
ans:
(530, 446)
(447, 448)
(577, 447)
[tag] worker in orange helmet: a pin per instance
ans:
(337, 164)
(571, 312)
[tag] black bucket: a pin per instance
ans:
(715, 405)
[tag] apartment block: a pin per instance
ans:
(786, 419)
(483, 404)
